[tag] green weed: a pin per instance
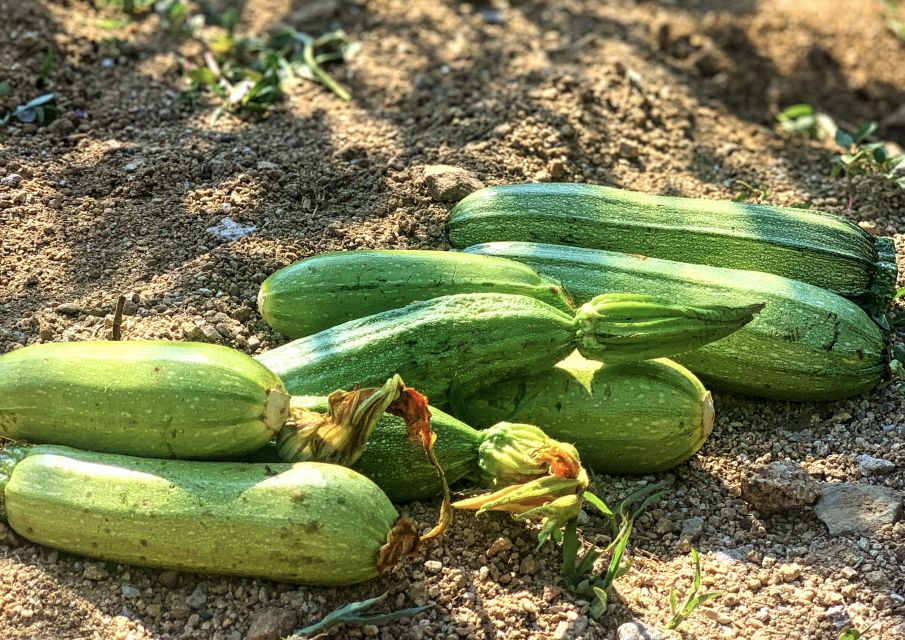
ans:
(692, 599)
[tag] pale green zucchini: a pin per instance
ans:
(634, 418)
(807, 343)
(462, 342)
(819, 248)
(331, 288)
(308, 523)
(149, 398)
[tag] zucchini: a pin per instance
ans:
(807, 343)
(634, 418)
(468, 340)
(331, 288)
(149, 398)
(308, 522)
(819, 248)
(493, 457)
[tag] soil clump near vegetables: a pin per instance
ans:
(117, 196)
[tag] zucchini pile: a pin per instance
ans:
(541, 347)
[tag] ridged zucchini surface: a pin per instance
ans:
(453, 341)
(457, 343)
(148, 398)
(806, 344)
(308, 523)
(633, 418)
(819, 248)
(331, 288)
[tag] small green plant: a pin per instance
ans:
(854, 634)
(760, 192)
(249, 74)
(692, 600)
(40, 111)
(353, 613)
(894, 19)
(801, 120)
(46, 68)
(860, 158)
(577, 572)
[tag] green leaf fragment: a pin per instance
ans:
(349, 614)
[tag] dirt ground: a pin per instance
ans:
(669, 96)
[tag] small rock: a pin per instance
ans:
(192, 332)
(94, 572)
(267, 164)
(132, 166)
(198, 598)
(130, 592)
(168, 578)
(69, 309)
(12, 180)
(789, 572)
(210, 333)
(527, 566)
(862, 509)
(492, 16)
(527, 606)
(691, 531)
(628, 150)
(62, 126)
(179, 611)
(556, 168)
(499, 545)
(838, 616)
(637, 631)
(449, 184)
(254, 342)
(31, 280)
(272, 624)
(779, 486)
(242, 314)
(663, 526)
(433, 566)
(870, 466)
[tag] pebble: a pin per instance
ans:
(254, 342)
(12, 180)
(779, 486)
(837, 616)
(433, 566)
(272, 624)
(860, 509)
(94, 572)
(527, 605)
(789, 572)
(638, 631)
(168, 578)
(499, 545)
(129, 591)
(69, 309)
(446, 183)
(527, 566)
(870, 466)
(556, 168)
(198, 598)
(691, 531)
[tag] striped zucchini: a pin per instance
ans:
(331, 288)
(462, 342)
(308, 522)
(493, 457)
(807, 343)
(634, 418)
(819, 248)
(150, 398)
